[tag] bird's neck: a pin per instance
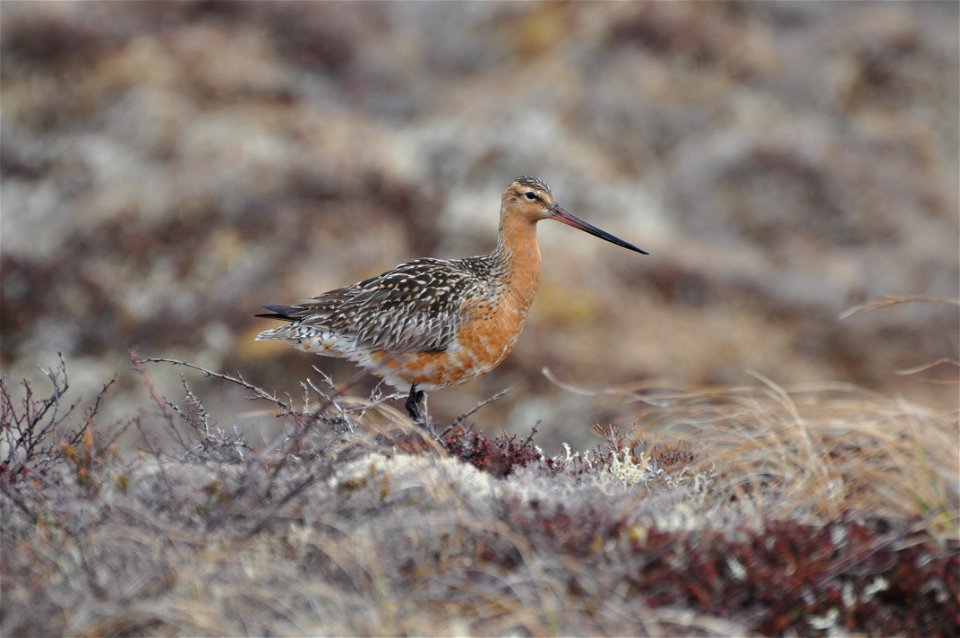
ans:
(519, 254)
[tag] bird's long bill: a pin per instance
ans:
(570, 219)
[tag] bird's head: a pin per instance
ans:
(530, 199)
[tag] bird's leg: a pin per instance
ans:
(413, 404)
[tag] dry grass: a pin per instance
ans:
(816, 453)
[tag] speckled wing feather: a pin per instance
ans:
(417, 306)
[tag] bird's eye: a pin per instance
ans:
(530, 195)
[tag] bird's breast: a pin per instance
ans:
(484, 339)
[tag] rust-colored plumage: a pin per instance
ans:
(436, 323)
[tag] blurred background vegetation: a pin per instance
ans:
(169, 167)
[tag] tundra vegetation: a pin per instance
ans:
(758, 509)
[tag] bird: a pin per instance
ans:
(435, 323)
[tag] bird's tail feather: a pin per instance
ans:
(284, 313)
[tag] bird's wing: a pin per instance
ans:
(417, 306)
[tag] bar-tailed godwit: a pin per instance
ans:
(436, 323)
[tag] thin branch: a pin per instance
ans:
(259, 393)
(471, 411)
(160, 402)
(533, 432)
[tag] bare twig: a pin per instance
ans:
(259, 393)
(28, 424)
(158, 401)
(468, 413)
(533, 432)
(289, 443)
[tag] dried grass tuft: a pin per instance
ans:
(815, 453)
